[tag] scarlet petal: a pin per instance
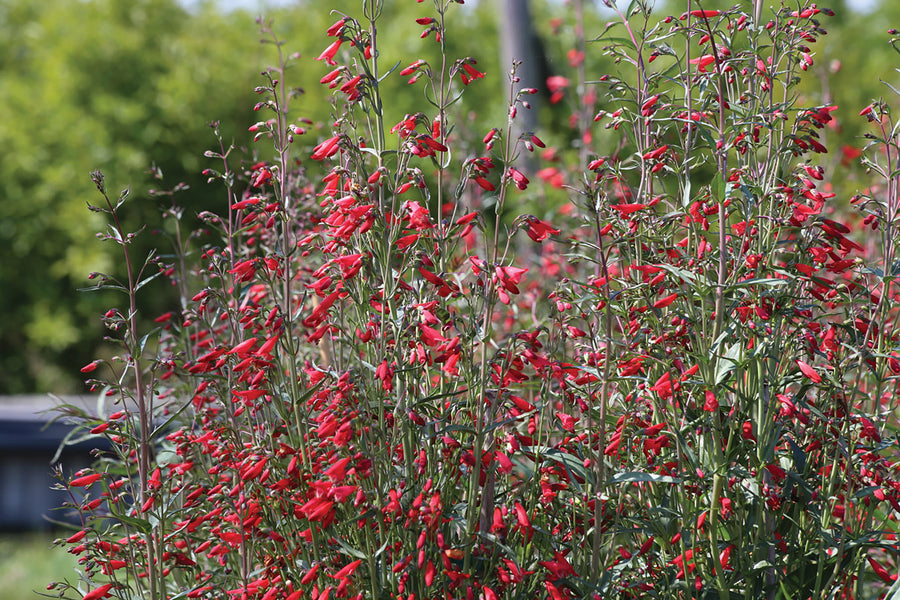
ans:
(663, 302)
(485, 184)
(329, 52)
(881, 571)
(100, 592)
(627, 209)
(85, 480)
(100, 428)
(310, 575)
(811, 373)
(654, 154)
(348, 570)
(429, 573)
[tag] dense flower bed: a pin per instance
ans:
(387, 380)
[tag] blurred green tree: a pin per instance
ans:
(122, 85)
(99, 84)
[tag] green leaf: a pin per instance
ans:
(728, 362)
(391, 70)
(166, 457)
(452, 428)
(147, 280)
(719, 188)
(866, 491)
(350, 551)
(571, 464)
(615, 40)
(169, 421)
(765, 281)
(799, 456)
(678, 272)
(142, 524)
(876, 271)
(638, 477)
(894, 592)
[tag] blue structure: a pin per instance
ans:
(27, 446)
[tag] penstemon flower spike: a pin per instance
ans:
(404, 365)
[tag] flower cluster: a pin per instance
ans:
(388, 380)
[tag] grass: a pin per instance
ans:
(28, 562)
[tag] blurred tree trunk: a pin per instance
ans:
(519, 42)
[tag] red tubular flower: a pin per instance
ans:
(567, 420)
(556, 84)
(431, 143)
(429, 573)
(317, 509)
(806, 13)
(881, 572)
(555, 593)
(576, 57)
(471, 73)
(704, 14)
(654, 154)
(510, 277)
(627, 209)
(155, 480)
(348, 570)
(243, 348)
(331, 76)
(412, 68)
(431, 337)
(97, 593)
(77, 537)
(310, 575)
(809, 372)
(647, 107)
(326, 149)
(725, 557)
(336, 28)
(747, 431)
(524, 523)
(318, 314)
(484, 184)
(663, 386)
(350, 85)
(85, 480)
(703, 62)
(665, 301)
(330, 52)
(249, 395)
(265, 350)
(243, 204)
(518, 178)
(385, 373)
(539, 230)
